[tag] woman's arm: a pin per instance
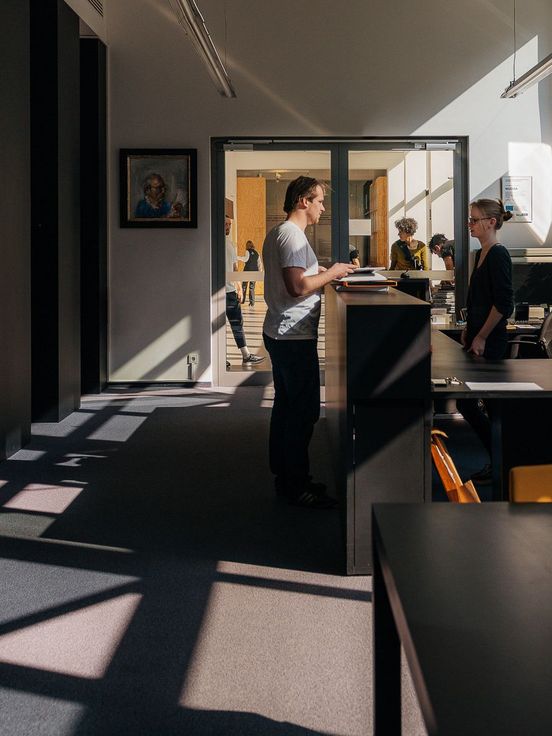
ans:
(500, 270)
(478, 344)
(393, 265)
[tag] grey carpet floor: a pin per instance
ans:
(151, 582)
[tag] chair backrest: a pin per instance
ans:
(545, 335)
(531, 484)
(456, 491)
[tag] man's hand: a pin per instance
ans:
(339, 270)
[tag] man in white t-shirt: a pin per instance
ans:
(293, 280)
(233, 299)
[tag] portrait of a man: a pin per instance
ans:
(158, 188)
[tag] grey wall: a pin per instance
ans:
(380, 68)
(15, 346)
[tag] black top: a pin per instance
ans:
(252, 263)
(491, 286)
(472, 588)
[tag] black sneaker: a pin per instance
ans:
(483, 476)
(252, 359)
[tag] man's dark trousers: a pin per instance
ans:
(234, 314)
(296, 408)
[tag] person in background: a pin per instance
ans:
(354, 256)
(253, 263)
(490, 302)
(293, 280)
(444, 249)
(233, 308)
(407, 253)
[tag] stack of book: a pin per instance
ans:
(364, 279)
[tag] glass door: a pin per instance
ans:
(255, 183)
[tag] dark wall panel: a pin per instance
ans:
(15, 346)
(55, 184)
(93, 217)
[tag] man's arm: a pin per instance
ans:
(297, 284)
(238, 284)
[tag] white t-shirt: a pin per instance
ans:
(231, 258)
(288, 317)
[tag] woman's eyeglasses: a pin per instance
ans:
(473, 220)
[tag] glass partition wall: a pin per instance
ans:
(371, 185)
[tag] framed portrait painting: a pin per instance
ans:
(158, 187)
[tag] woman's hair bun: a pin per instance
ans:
(507, 215)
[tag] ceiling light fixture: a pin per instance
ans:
(192, 21)
(534, 75)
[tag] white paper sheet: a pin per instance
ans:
(483, 386)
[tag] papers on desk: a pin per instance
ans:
(510, 386)
(366, 277)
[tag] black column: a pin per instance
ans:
(15, 208)
(93, 217)
(55, 223)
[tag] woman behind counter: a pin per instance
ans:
(490, 303)
(408, 254)
(490, 293)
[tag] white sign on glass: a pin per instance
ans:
(517, 195)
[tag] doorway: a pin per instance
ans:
(371, 184)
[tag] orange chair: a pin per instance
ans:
(456, 491)
(531, 484)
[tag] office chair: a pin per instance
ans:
(457, 492)
(531, 484)
(534, 346)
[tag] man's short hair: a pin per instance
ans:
(303, 186)
(437, 239)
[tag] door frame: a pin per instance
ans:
(339, 148)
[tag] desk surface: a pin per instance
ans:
(450, 359)
(470, 588)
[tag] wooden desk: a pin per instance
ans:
(467, 590)
(521, 420)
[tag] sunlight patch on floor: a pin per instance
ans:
(79, 643)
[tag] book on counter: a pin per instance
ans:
(364, 279)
